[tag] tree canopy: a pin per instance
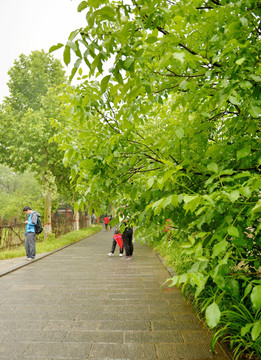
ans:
(171, 131)
(16, 191)
(26, 122)
(30, 79)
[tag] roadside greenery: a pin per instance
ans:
(26, 124)
(16, 191)
(172, 131)
(52, 243)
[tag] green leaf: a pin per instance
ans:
(73, 72)
(243, 152)
(191, 202)
(247, 290)
(174, 280)
(157, 206)
(256, 211)
(55, 47)
(83, 5)
(246, 191)
(219, 248)
(254, 111)
(213, 315)
(244, 21)
(151, 39)
(179, 132)
(67, 55)
(182, 279)
(175, 200)
(72, 45)
(73, 34)
(118, 76)
(203, 258)
(186, 246)
(179, 56)
(245, 329)
(200, 281)
(128, 62)
(104, 83)
(256, 330)
(188, 198)
(234, 100)
(232, 230)
(233, 196)
(167, 200)
(183, 85)
(106, 13)
(150, 182)
(256, 78)
(233, 287)
(256, 297)
(213, 167)
(240, 61)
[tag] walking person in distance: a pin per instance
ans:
(106, 222)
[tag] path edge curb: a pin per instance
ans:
(41, 256)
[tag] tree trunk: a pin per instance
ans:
(76, 217)
(48, 214)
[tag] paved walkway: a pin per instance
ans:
(78, 303)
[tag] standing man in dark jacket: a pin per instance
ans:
(127, 236)
(30, 232)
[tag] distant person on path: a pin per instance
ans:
(30, 232)
(106, 222)
(110, 218)
(93, 217)
(127, 237)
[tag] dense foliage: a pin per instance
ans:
(171, 131)
(16, 191)
(26, 123)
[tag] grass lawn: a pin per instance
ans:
(51, 243)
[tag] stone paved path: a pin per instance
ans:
(78, 303)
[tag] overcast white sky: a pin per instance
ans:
(27, 25)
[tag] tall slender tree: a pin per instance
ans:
(26, 124)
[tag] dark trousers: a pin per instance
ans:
(127, 243)
(30, 245)
(114, 243)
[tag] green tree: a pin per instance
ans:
(172, 131)
(26, 126)
(30, 79)
(16, 191)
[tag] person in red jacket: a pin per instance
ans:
(106, 222)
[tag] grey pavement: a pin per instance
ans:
(10, 265)
(78, 303)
